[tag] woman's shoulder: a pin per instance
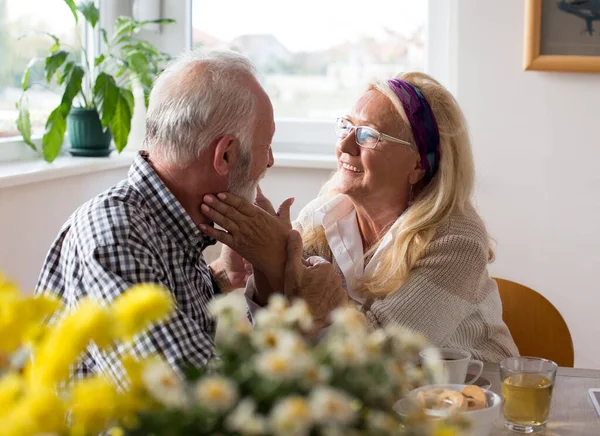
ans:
(467, 223)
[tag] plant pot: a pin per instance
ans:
(86, 135)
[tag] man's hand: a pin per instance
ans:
(313, 280)
(255, 234)
(230, 270)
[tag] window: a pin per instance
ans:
(17, 17)
(315, 58)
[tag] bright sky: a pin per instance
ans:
(55, 14)
(308, 24)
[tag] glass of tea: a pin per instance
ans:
(527, 384)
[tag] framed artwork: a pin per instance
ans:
(562, 35)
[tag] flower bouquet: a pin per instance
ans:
(266, 379)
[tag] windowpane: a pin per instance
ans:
(18, 17)
(316, 57)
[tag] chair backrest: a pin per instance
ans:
(536, 326)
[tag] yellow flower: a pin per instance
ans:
(94, 403)
(11, 386)
(140, 307)
(216, 393)
(445, 430)
(21, 318)
(8, 289)
(116, 431)
(38, 411)
(67, 340)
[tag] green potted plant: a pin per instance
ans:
(97, 102)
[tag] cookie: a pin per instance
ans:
(475, 397)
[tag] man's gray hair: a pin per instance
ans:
(200, 96)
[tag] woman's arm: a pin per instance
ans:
(440, 292)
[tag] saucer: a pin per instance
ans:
(482, 382)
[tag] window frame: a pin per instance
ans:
(293, 135)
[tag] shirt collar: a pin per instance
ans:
(169, 213)
(334, 209)
(338, 207)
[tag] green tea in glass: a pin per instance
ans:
(527, 384)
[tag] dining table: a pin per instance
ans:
(571, 410)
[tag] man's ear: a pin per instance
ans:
(226, 154)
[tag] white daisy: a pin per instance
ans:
(349, 319)
(299, 314)
(405, 341)
(267, 339)
(383, 422)
(266, 319)
(348, 351)
(164, 385)
(243, 419)
(277, 364)
(331, 406)
(216, 393)
(291, 417)
(374, 344)
(230, 306)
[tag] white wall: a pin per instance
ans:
(32, 214)
(536, 140)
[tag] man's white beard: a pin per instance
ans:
(239, 181)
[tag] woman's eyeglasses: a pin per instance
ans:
(365, 136)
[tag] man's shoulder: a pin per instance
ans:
(117, 216)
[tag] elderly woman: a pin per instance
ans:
(397, 221)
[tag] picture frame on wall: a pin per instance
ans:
(562, 35)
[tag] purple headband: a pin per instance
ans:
(422, 123)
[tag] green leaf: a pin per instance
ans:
(124, 26)
(71, 5)
(24, 121)
(25, 79)
(121, 123)
(99, 60)
(54, 134)
(53, 62)
(159, 21)
(57, 121)
(146, 97)
(128, 95)
(90, 12)
(72, 88)
(138, 62)
(106, 95)
(104, 36)
(65, 73)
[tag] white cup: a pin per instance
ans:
(454, 362)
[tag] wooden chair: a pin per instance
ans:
(536, 326)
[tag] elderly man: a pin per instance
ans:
(208, 129)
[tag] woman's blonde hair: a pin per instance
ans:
(448, 192)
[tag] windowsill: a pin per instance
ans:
(34, 171)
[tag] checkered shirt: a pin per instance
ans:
(136, 232)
